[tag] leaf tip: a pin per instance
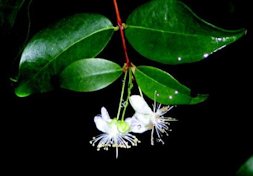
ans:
(247, 168)
(199, 98)
(22, 91)
(241, 32)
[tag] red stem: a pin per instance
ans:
(121, 29)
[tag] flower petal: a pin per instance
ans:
(146, 119)
(136, 126)
(105, 114)
(101, 124)
(139, 105)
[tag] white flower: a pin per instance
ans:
(145, 119)
(115, 133)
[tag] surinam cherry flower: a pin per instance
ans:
(115, 133)
(145, 119)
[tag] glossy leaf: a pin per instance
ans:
(51, 50)
(167, 31)
(88, 75)
(160, 85)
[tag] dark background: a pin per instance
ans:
(51, 131)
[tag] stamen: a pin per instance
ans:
(160, 140)
(117, 140)
(152, 136)
(160, 123)
(117, 150)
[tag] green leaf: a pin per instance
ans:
(160, 85)
(88, 75)
(167, 31)
(51, 50)
(247, 168)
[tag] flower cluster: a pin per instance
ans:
(117, 133)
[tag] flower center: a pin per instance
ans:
(121, 126)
